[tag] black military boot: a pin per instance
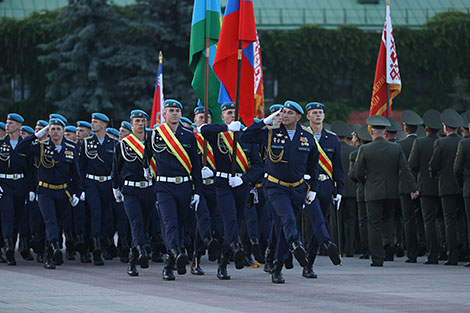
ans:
(56, 253)
(155, 245)
(212, 246)
(399, 250)
(167, 273)
(143, 256)
(299, 253)
(48, 262)
(133, 259)
(70, 247)
(256, 250)
(389, 253)
(222, 273)
(180, 259)
(238, 255)
(289, 264)
(2, 259)
(80, 243)
(195, 266)
(332, 251)
(268, 260)
(123, 250)
(97, 260)
(276, 275)
(10, 251)
(308, 270)
(112, 249)
(25, 250)
(106, 249)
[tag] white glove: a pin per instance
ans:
(206, 172)
(1, 192)
(254, 192)
(42, 132)
(235, 181)
(337, 199)
(200, 127)
(148, 174)
(234, 126)
(32, 196)
(118, 195)
(74, 201)
(195, 201)
(414, 195)
(82, 196)
(311, 196)
(269, 119)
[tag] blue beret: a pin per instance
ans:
(185, 120)
(100, 116)
(193, 124)
(60, 117)
(156, 125)
(42, 123)
(200, 109)
(314, 105)
(56, 121)
(257, 120)
(275, 107)
(126, 125)
(171, 103)
(15, 117)
(70, 129)
(138, 114)
(83, 124)
(227, 105)
(27, 129)
(2, 126)
(293, 106)
(112, 131)
(92, 133)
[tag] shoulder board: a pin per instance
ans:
(307, 129)
(273, 127)
(187, 129)
(45, 141)
(69, 143)
(330, 132)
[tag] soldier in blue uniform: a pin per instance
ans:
(71, 133)
(133, 188)
(96, 161)
(178, 169)
(232, 191)
(291, 176)
(14, 175)
(3, 131)
(59, 182)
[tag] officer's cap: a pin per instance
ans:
(294, 106)
(465, 119)
(275, 107)
(100, 116)
(126, 125)
(341, 128)
(42, 123)
(70, 129)
(356, 127)
(314, 105)
(378, 122)
(171, 103)
(185, 120)
(200, 109)
(363, 133)
(227, 106)
(451, 118)
(138, 114)
(112, 131)
(15, 117)
(59, 116)
(84, 124)
(27, 129)
(3, 126)
(394, 125)
(432, 119)
(411, 118)
(56, 121)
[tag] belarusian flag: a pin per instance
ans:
(205, 24)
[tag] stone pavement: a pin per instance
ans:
(353, 287)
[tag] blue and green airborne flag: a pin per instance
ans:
(206, 24)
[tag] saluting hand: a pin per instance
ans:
(268, 120)
(42, 132)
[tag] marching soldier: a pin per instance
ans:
(232, 191)
(380, 178)
(178, 168)
(291, 176)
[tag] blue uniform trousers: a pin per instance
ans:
(23, 226)
(11, 209)
(138, 204)
(319, 233)
(121, 220)
(36, 224)
(53, 205)
(258, 219)
(99, 196)
(174, 205)
(325, 191)
(79, 218)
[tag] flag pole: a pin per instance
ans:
(237, 105)
(387, 3)
(206, 101)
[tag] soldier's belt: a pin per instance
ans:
(227, 175)
(283, 183)
(323, 177)
(98, 178)
(208, 181)
(51, 186)
(138, 184)
(12, 176)
(174, 180)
